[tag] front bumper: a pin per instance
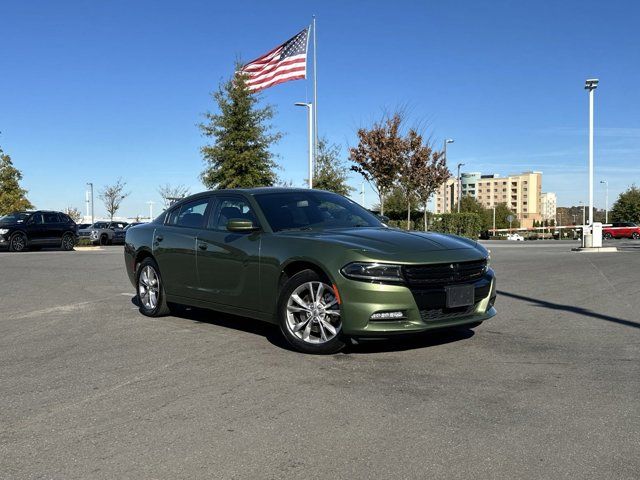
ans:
(424, 308)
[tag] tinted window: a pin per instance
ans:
(228, 208)
(36, 219)
(294, 210)
(117, 225)
(190, 214)
(50, 217)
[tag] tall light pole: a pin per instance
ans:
(606, 200)
(362, 194)
(446, 142)
(584, 212)
(90, 185)
(311, 138)
(150, 203)
(459, 186)
(591, 84)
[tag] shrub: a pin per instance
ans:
(464, 224)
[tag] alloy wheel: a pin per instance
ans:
(149, 287)
(635, 235)
(18, 243)
(313, 313)
(67, 242)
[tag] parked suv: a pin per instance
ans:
(621, 230)
(104, 233)
(20, 231)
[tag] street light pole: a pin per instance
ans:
(494, 219)
(446, 141)
(606, 200)
(91, 189)
(591, 85)
(584, 212)
(150, 210)
(459, 186)
(311, 138)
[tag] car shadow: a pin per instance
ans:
(569, 308)
(271, 332)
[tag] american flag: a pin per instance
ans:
(284, 63)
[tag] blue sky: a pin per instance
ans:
(93, 91)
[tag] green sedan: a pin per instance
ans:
(317, 264)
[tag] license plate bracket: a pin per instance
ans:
(460, 295)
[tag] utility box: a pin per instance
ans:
(596, 234)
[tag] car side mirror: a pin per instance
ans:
(383, 218)
(241, 225)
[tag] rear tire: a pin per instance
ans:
(18, 243)
(635, 235)
(150, 289)
(309, 314)
(608, 236)
(68, 242)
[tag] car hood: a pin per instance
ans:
(389, 240)
(11, 224)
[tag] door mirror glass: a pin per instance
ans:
(240, 225)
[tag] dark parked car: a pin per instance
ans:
(20, 231)
(316, 263)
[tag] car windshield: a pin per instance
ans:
(18, 217)
(313, 210)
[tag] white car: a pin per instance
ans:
(516, 237)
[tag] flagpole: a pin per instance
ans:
(315, 95)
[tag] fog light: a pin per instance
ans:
(387, 315)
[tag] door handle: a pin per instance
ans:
(159, 238)
(202, 246)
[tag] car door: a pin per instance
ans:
(35, 228)
(228, 262)
(174, 247)
(53, 228)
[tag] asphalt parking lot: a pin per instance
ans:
(549, 388)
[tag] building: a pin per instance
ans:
(522, 193)
(549, 204)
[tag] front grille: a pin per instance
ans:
(439, 314)
(84, 234)
(444, 273)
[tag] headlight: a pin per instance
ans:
(373, 272)
(3, 231)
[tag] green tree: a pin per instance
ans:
(12, 196)
(239, 155)
(330, 172)
(627, 207)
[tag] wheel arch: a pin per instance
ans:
(297, 265)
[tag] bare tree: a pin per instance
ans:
(170, 194)
(112, 196)
(378, 154)
(74, 213)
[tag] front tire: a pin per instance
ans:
(608, 236)
(18, 243)
(309, 314)
(635, 235)
(150, 289)
(104, 240)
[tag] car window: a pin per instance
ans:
(50, 217)
(294, 210)
(228, 208)
(36, 219)
(100, 225)
(19, 217)
(190, 214)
